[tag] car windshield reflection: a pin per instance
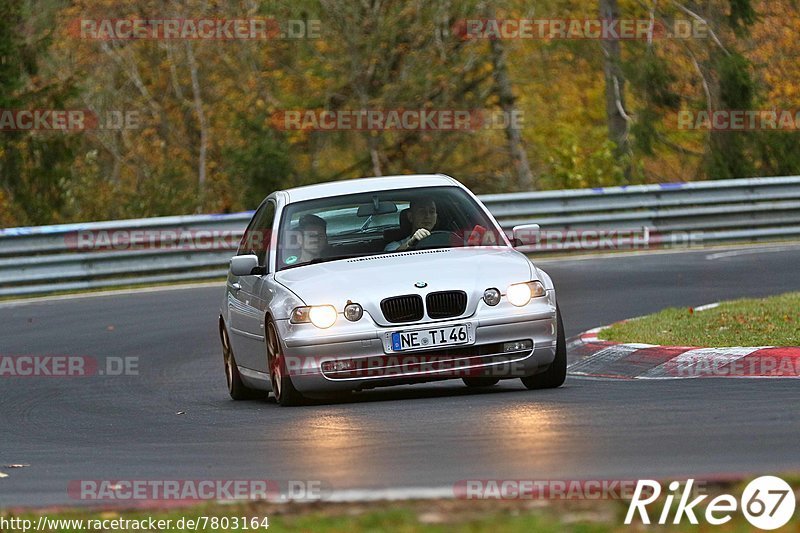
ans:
(374, 223)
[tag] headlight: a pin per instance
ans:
(322, 316)
(299, 315)
(520, 294)
(353, 312)
(491, 296)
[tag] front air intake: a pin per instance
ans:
(406, 308)
(446, 304)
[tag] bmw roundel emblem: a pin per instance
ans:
(420, 284)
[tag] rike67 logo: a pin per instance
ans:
(767, 502)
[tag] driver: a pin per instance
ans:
(313, 239)
(422, 214)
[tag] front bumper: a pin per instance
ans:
(365, 360)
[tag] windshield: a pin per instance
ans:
(355, 225)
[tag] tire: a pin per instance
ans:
(236, 388)
(282, 387)
(475, 383)
(556, 373)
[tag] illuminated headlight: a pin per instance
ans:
(322, 316)
(491, 296)
(520, 294)
(353, 312)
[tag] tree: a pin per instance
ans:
(34, 165)
(505, 95)
(617, 116)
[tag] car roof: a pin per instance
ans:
(351, 186)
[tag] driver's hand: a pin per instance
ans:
(420, 234)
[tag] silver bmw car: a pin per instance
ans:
(372, 282)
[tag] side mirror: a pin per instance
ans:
(525, 234)
(243, 265)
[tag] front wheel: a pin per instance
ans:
(282, 386)
(556, 373)
(236, 388)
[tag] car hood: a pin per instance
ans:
(369, 280)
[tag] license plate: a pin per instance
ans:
(431, 338)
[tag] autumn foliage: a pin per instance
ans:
(188, 123)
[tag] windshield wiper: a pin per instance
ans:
(319, 260)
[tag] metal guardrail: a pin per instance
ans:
(51, 258)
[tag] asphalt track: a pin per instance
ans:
(425, 436)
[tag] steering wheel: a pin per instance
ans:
(440, 239)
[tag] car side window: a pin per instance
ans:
(257, 237)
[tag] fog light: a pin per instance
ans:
(518, 346)
(338, 366)
(491, 296)
(353, 312)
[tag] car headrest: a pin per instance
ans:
(405, 220)
(395, 234)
